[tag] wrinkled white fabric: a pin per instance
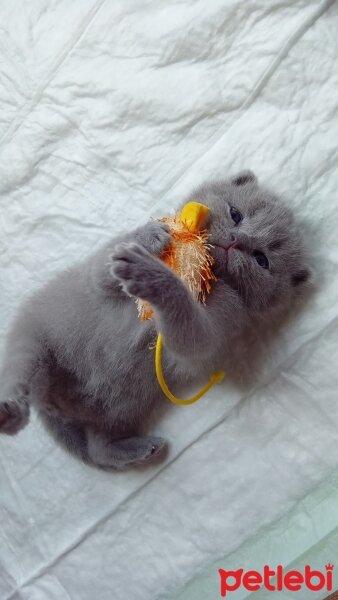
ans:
(110, 113)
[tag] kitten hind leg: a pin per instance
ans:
(125, 452)
(14, 413)
(70, 435)
(99, 449)
(21, 362)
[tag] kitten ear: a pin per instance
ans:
(301, 277)
(244, 177)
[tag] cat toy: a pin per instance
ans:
(188, 255)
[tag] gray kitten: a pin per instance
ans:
(79, 353)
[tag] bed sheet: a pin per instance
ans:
(306, 535)
(119, 109)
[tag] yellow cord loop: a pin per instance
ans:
(214, 378)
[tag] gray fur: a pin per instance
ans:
(80, 355)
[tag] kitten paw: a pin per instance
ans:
(155, 446)
(144, 449)
(14, 415)
(140, 273)
(154, 237)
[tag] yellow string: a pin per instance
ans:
(214, 378)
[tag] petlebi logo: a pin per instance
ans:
(276, 580)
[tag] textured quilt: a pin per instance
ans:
(122, 107)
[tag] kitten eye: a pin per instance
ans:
(235, 215)
(261, 259)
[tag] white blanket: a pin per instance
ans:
(110, 113)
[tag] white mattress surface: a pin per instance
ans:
(110, 113)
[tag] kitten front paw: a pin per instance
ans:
(154, 237)
(14, 415)
(139, 273)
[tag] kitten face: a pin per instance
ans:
(256, 245)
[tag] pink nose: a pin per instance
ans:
(233, 244)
